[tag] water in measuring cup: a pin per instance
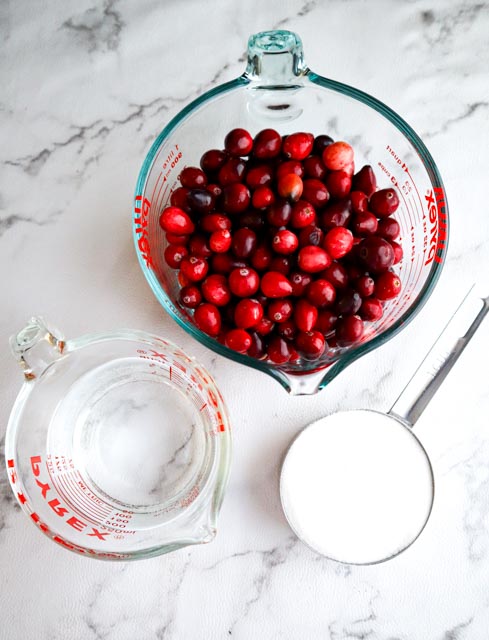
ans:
(134, 439)
(357, 487)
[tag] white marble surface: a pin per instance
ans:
(85, 87)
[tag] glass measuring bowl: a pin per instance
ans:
(118, 445)
(277, 90)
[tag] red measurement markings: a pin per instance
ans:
(142, 208)
(78, 505)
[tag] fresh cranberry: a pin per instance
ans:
(225, 263)
(248, 313)
(215, 190)
(215, 222)
(236, 198)
(326, 321)
(261, 258)
(305, 315)
(337, 214)
(387, 286)
(389, 228)
(320, 144)
(257, 347)
(215, 289)
(314, 168)
(238, 340)
(384, 202)
(288, 167)
(359, 202)
(371, 309)
(297, 146)
(238, 142)
(199, 247)
(321, 294)
(303, 215)
(275, 285)
(349, 330)
(175, 220)
(355, 271)
(315, 192)
(282, 264)
(310, 344)
(313, 259)
(376, 253)
(208, 319)
(338, 242)
(278, 350)
(287, 330)
(290, 186)
(200, 200)
(337, 274)
(183, 281)
(178, 199)
(173, 238)
(365, 286)
(280, 213)
(299, 281)
(280, 310)
(348, 303)
(232, 171)
(337, 156)
(213, 160)
(244, 282)
(285, 242)
(252, 219)
(365, 180)
(259, 176)
(220, 241)
(174, 255)
(338, 184)
(311, 235)
(365, 224)
(243, 242)
(194, 268)
(190, 296)
(193, 178)
(398, 252)
(267, 144)
(264, 327)
(262, 198)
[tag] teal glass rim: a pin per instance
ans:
(333, 368)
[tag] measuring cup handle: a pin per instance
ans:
(440, 359)
(36, 346)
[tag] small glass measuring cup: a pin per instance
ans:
(118, 445)
(368, 476)
(277, 90)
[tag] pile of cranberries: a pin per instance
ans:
(280, 246)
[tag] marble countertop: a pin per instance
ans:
(86, 87)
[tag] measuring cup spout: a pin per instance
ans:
(35, 347)
(309, 382)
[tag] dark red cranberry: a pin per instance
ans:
(305, 315)
(338, 242)
(313, 259)
(278, 350)
(235, 198)
(288, 167)
(348, 302)
(349, 330)
(215, 190)
(315, 192)
(243, 242)
(355, 271)
(194, 268)
(215, 222)
(220, 241)
(280, 213)
(248, 313)
(287, 330)
(267, 144)
(311, 235)
(174, 254)
(275, 285)
(338, 184)
(365, 286)
(190, 296)
(259, 176)
(337, 156)
(337, 214)
(384, 203)
(198, 246)
(337, 274)
(387, 286)
(238, 340)
(178, 199)
(398, 252)
(303, 215)
(261, 258)
(213, 160)
(193, 178)
(365, 224)
(231, 171)
(389, 228)
(173, 238)
(326, 321)
(215, 289)
(376, 253)
(257, 348)
(262, 198)
(297, 146)
(365, 181)
(299, 282)
(371, 309)
(321, 293)
(314, 168)
(285, 242)
(320, 144)
(225, 263)
(359, 202)
(279, 310)
(238, 142)
(290, 186)
(310, 344)
(252, 219)
(208, 319)
(244, 282)
(282, 264)
(200, 200)
(175, 220)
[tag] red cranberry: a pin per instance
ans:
(338, 242)
(365, 224)
(348, 303)
(326, 321)
(311, 235)
(310, 344)
(303, 215)
(243, 242)
(354, 271)
(215, 289)
(238, 340)
(173, 238)
(238, 142)
(337, 214)
(193, 177)
(365, 180)
(287, 330)
(299, 281)
(349, 330)
(315, 192)
(198, 246)
(264, 327)
(278, 350)
(314, 168)
(257, 347)
(338, 184)
(384, 203)
(259, 176)
(261, 258)
(337, 156)
(275, 285)
(194, 268)
(267, 144)
(215, 190)
(200, 200)
(398, 252)
(225, 263)
(190, 296)
(220, 241)
(236, 198)
(305, 315)
(178, 198)
(244, 282)
(248, 313)
(183, 281)
(359, 202)
(313, 259)
(371, 310)
(232, 171)
(279, 214)
(174, 255)
(389, 228)
(213, 160)
(175, 220)
(290, 186)
(285, 242)
(337, 275)
(320, 144)
(280, 310)
(281, 264)
(376, 253)
(208, 319)
(215, 222)
(321, 294)
(262, 198)
(387, 286)
(297, 146)
(288, 167)
(365, 286)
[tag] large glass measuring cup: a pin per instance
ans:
(278, 90)
(118, 445)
